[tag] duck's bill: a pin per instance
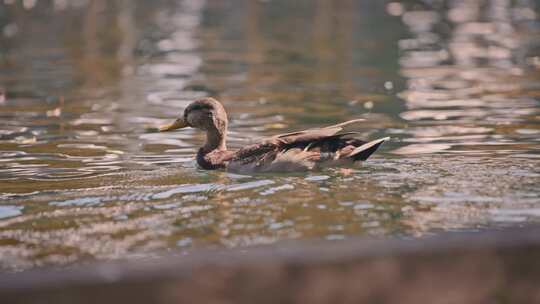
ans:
(177, 124)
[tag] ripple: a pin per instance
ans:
(516, 212)
(82, 146)
(422, 148)
(7, 211)
(91, 121)
(186, 189)
(82, 201)
(315, 178)
(277, 189)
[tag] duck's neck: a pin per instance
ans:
(215, 140)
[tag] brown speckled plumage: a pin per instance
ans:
(296, 151)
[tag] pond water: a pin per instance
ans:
(454, 83)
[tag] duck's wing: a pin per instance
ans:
(289, 140)
(310, 134)
(303, 150)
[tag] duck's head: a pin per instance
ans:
(205, 114)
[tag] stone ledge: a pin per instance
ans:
(483, 267)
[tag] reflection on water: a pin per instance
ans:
(471, 83)
(82, 176)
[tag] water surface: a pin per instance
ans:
(83, 177)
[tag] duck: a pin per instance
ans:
(299, 151)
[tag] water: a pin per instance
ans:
(83, 177)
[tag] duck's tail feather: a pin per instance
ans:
(364, 151)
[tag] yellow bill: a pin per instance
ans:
(177, 124)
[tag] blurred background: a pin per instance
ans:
(455, 83)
